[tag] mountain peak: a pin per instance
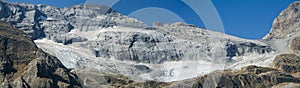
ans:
(287, 23)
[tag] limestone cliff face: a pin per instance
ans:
(42, 21)
(24, 65)
(170, 42)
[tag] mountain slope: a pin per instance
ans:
(286, 24)
(24, 65)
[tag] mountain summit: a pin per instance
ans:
(287, 23)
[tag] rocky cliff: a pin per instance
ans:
(23, 65)
(287, 23)
(42, 21)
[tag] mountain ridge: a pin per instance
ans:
(285, 24)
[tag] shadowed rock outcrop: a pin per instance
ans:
(287, 62)
(24, 65)
(295, 45)
(239, 49)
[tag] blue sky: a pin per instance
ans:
(250, 19)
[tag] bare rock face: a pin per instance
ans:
(287, 62)
(287, 23)
(24, 65)
(239, 49)
(42, 21)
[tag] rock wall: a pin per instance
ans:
(287, 23)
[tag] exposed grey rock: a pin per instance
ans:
(142, 68)
(287, 62)
(239, 49)
(40, 21)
